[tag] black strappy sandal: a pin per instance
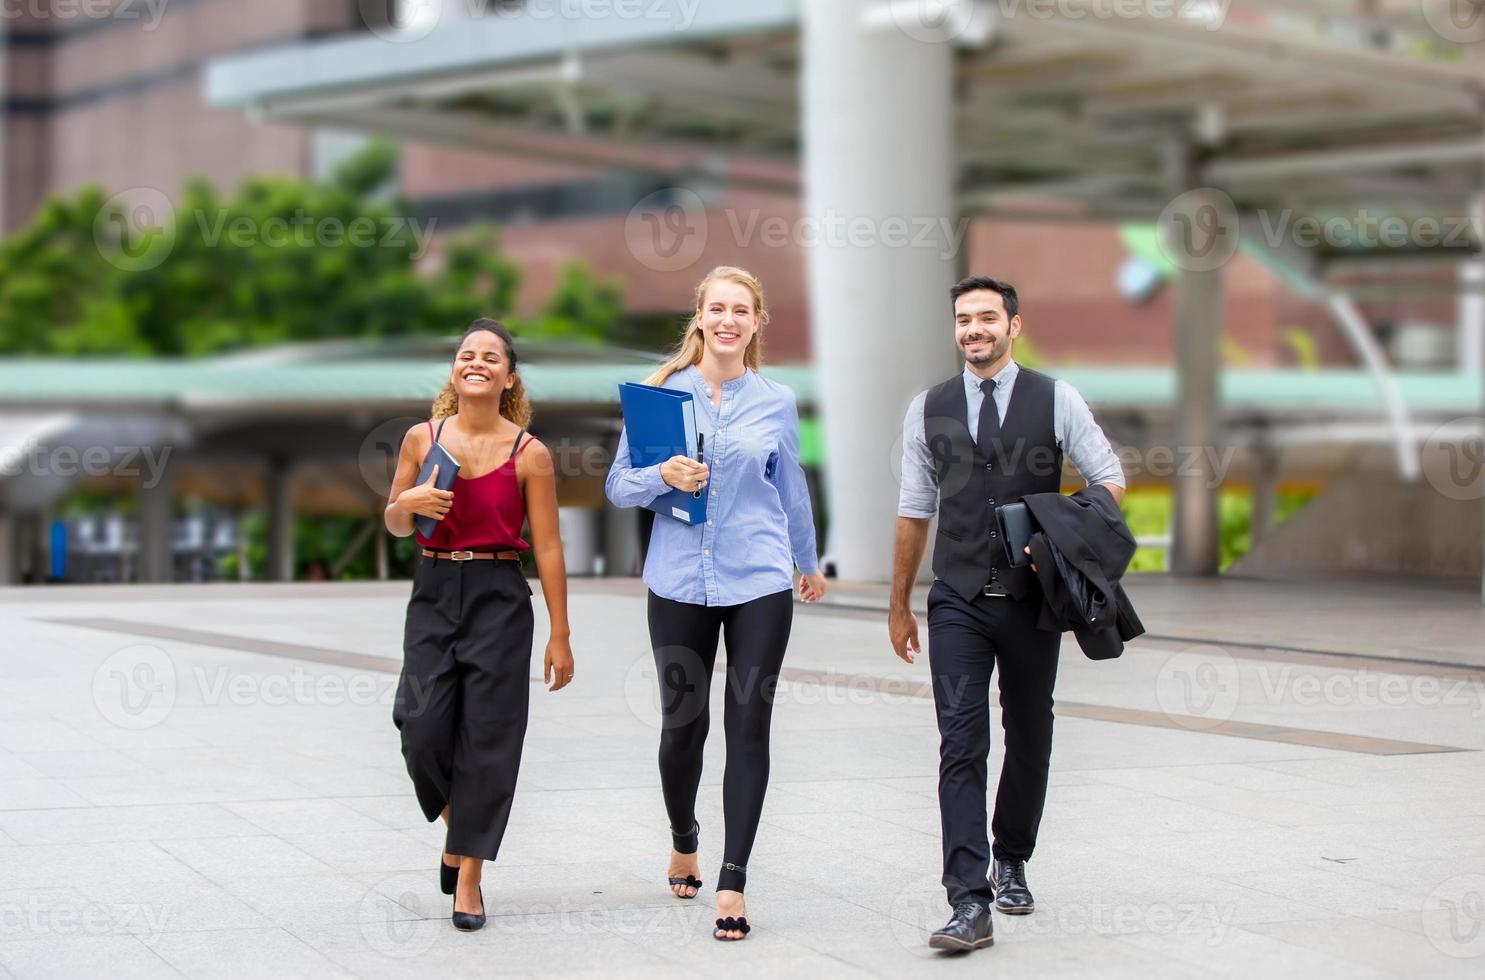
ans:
(730, 924)
(686, 844)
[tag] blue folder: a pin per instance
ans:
(661, 423)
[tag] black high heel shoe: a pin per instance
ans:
(448, 878)
(470, 921)
(686, 844)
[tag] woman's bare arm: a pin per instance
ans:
(407, 498)
(538, 478)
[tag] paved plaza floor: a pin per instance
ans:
(1281, 780)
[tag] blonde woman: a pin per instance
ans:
(729, 578)
(462, 700)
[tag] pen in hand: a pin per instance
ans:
(700, 456)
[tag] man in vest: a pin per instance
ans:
(986, 437)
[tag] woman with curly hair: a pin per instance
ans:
(462, 700)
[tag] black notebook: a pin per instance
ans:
(448, 470)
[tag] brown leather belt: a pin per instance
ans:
(473, 555)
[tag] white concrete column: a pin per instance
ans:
(7, 219)
(1470, 328)
(1195, 548)
(879, 175)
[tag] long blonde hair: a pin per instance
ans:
(693, 342)
(514, 404)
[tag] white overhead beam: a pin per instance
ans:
(1329, 162)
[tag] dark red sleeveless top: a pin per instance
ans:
(488, 511)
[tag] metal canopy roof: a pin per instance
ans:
(1062, 109)
(233, 384)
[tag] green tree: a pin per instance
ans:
(279, 260)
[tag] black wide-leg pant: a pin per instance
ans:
(684, 637)
(463, 697)
(967, 639)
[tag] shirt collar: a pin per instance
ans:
(1004, 377)
(701, 382)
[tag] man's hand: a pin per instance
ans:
(1033, 564)
(907, 554)
(902, 626)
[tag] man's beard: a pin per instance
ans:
(996, 352)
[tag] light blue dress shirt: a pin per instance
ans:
(1078, 436)
(759, 524)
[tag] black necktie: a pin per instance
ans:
(989, 420)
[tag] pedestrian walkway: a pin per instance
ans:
(1282, 780)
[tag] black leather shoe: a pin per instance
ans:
(1011, 894)
(969, 928)
(470, 921)
(448, 878)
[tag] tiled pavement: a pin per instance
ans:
(1285, 780)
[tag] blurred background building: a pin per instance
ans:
(1308, 401)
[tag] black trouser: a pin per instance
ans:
(684, 637)
(463, 697)
(966, 641)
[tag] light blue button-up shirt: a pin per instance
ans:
(759, 524)
(1078, 436)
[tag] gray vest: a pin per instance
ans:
(968, 552)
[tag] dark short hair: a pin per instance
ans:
(498, 329)
(971, 283)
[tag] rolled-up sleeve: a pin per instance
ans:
(918, 488)
(632, 486)
(794, 493)
(1082, 440)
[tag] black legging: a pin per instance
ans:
(684, 637)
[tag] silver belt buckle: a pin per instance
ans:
(995, 590)
(460, 555)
